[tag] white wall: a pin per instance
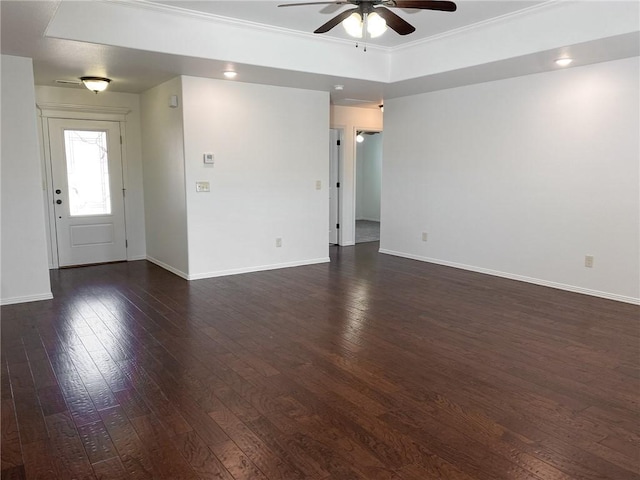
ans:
(349, 120)
(271, 145)
(24, 273)
(132, 154)
(369, 177)
(163, 173)
(521, 177)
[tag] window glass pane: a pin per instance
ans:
(87, 172)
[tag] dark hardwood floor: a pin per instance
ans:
(371, 367)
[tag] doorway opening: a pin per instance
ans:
(368, 185)
(335, 136)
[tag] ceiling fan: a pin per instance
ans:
(366, 7)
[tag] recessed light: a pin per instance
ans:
(230, 74)
(563, 62)
(338, 87)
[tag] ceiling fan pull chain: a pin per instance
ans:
(365, 26)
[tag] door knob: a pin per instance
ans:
(59, 202)
(58, 191)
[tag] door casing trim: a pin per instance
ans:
(73, 112)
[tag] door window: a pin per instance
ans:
(87, 172)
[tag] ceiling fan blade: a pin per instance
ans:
(395, 22)
(335, 21)
(424, 5)
(339, 2)
(331, 9)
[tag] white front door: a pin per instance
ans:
(88, 193)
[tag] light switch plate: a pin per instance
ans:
(208, 158)
(203, 187)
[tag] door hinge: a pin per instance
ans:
(126, 243)
(124, 192)
(338, 226)
(120, 139)
(338, 185)
(338, 143)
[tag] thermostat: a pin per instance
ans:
(208, 158)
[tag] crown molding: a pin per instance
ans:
(219, 19)
(175, 10)
(477, 25)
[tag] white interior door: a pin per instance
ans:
(334, 191)
(88, 193)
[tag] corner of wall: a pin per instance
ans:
(24, 268)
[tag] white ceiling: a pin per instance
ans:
(307, 18)
(140, 44)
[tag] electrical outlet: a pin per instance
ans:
(424, 236)
(588, 261)
(278, 242)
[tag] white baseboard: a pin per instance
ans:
(168, 267)
(136, 257)
(347, 244)
(260, 268)
(520, 278)
(26, 298)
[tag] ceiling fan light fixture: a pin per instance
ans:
(353, 25)
(376, 25)
(95, 84)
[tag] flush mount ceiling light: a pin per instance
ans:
(563, 62)
(95, 84)
(230, 74)
(355, 24)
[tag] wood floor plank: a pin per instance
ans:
(38, 461)
(163, 452)
(200, 457)
(370, 367)
(155, 398)
(31, 424)
(133, 454)
(110, 469)
(66, 445)
(13, 473)
(265, 458)
(97, 442)
(11, 452)
(236, 462)
(438, 468)
(77, 398)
